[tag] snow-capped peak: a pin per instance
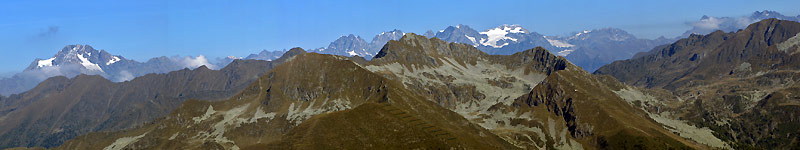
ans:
(496, 34)
(581, 33)
(393, 32)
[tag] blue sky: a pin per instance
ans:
(143, 29)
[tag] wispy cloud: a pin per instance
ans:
(194, 62)
(708, 23)
(50, 31)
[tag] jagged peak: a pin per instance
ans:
(395, 31)
(78, 49)
(458, 27)
(350, 36)
(766, 13)
(510, 28)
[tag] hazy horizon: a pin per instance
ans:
(144, 29)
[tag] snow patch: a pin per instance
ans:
(558, 43)
(565, 52)
(88, 64)
(498, 34)
(581, 33)
(352, 53)
(113, 60)
(471, 39)
(46, 62)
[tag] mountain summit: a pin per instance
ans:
(73, 60)
(89, 60)
(352, 45)
(737, 84)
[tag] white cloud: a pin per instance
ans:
(123, 76)
(195, 62)
(708, 23)
(743, 22)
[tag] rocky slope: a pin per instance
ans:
(298, 104)
(533, 99)
(59, 108)
(736, 84)
(417, 93)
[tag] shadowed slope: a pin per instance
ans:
(490, 90)
(60, 108)
(294, 99)
(737, 84)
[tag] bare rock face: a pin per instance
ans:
(532, 94)
(309, 98)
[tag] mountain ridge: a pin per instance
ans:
(115, 106)
(486, 89)
(737, 84)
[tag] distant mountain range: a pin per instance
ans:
(352, 45)
(73, 60)
(708, 24)
(734, 90)
(266, 55)
(59, 108)
(588, 49)
(456, 97)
